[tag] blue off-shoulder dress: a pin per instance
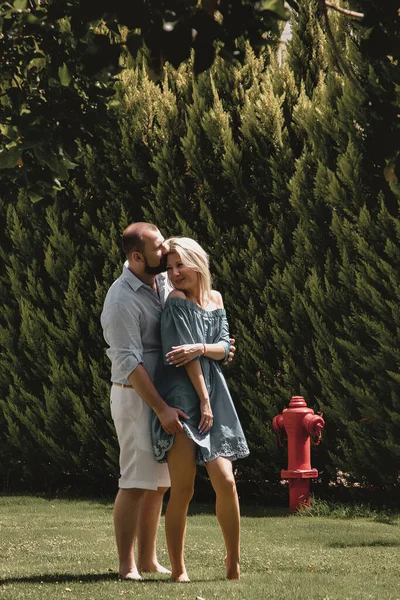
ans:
(184, 322)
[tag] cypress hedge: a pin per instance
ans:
(278, 172)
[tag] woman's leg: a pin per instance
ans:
(182, 470)
(227, 509)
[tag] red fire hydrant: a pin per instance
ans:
(300, 423)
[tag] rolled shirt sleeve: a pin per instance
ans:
(121, 329)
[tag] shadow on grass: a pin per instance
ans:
(61, 578)
(90, 578)
(385, 520)
(373, 544)
(245, 510)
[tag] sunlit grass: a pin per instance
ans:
(54, 549)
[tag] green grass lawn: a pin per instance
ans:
(54, 549)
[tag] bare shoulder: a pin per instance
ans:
(216, 298)
(177, 294)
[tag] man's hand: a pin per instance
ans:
(232, 350)
(181, 355)
(169, 419)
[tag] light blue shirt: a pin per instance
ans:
(131, 324)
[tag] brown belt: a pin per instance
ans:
(123, 385)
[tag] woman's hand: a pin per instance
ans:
(207, 417)
(181, 355)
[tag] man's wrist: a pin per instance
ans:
(162, 408)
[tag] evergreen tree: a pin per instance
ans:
(354, 215)
(278, 172)
(221, 176)
(55, 422)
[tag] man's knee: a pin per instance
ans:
(158, 493)
(134, 493)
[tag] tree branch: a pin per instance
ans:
(345, 11)
(346, 70)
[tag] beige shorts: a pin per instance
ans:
(132, 418)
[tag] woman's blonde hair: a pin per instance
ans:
(194, 257)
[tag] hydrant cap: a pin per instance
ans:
(297, 401)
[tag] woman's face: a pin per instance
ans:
(181, 277)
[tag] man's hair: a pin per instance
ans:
(194, 257)
(132, 238)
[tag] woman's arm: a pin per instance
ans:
(182, 355)
(195, 374)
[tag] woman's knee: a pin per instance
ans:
(224, 483)
(184, 491)
(221, 474)
(227, 484)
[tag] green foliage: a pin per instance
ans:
(278, 172)
(286, 228)
(348, 216)
(54, 409)
(59, 62)
(336, 510)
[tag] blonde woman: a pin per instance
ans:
(195, 336)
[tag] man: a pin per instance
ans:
(130, 321)
(131, 327)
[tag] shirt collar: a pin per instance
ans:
(135, 282)
(130, 278)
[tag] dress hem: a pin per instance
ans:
(160, 455)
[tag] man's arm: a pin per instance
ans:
(121, 330)
(169, 417)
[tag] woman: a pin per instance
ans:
(195, 336)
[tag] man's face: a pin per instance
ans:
(155, 253)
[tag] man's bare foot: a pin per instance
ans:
(181, 578)
(153, 568)
(232, 569)
(133, 575)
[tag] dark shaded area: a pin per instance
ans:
(57, 578)
(372, 544)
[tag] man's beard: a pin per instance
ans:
(158, 269)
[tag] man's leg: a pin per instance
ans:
(126, 514)
(150, 512)
(138, 468)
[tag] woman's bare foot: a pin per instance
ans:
(133, 574)
(153, 568)
(232, 569)
(181, 578)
